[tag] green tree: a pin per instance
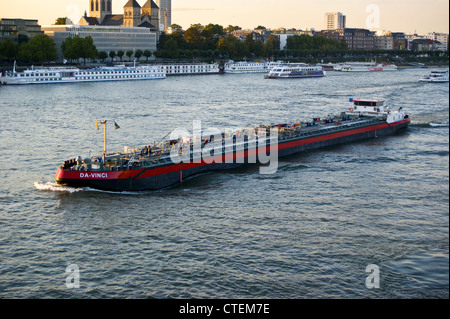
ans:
(88, 49)
(129, 54)
(61, 21)
(120, 54)
(138, 54)
(321, 43)
(40, 48)
(22, 38)
(231, 28)
(9, 49)
(147, 54)
(214, 30)
(231, 47)
(77, 47)
(272, 45)
(170, 49)
(193, 36)
(102, 55)
(112, 54)
(176, 27)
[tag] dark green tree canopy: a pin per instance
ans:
(39, 49)
(76, 47)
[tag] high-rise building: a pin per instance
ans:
(334, 20)
(165, 11)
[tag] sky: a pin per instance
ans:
(409, 16)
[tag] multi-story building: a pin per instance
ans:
(441, 38)
(165, 13)
(334, 20)
(384, 42)
(356, 39)
(400, 41)
(420, 44)
(106, 38)
(13, 28)
(359, 39)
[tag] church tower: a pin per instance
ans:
(152, 11)
(100, 9)
(132, 14)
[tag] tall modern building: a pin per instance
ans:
(165, 11)
(334, 20)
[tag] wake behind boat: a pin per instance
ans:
(167, 163)
(54, 75)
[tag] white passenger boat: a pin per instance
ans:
(190, 69)
(74, 75)
(364, 67)
(296, 70)
(250, 67)
(435, 76)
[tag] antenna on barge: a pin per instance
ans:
(104, 121)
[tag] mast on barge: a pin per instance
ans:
(104, 121)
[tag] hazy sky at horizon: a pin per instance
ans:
(393, 15)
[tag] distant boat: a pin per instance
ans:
(54, 75)
(296, 70)
(190, 68)
(243, 67)
(436, 76)
(364, 67)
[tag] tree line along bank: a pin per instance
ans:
(206, 43)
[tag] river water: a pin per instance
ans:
(315, 229)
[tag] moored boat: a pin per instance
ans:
(54, 75)
(190, 68)
(364, 67)
(169, 162)
(243, 67)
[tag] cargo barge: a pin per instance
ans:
(171, 161)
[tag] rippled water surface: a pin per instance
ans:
(308, 231)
